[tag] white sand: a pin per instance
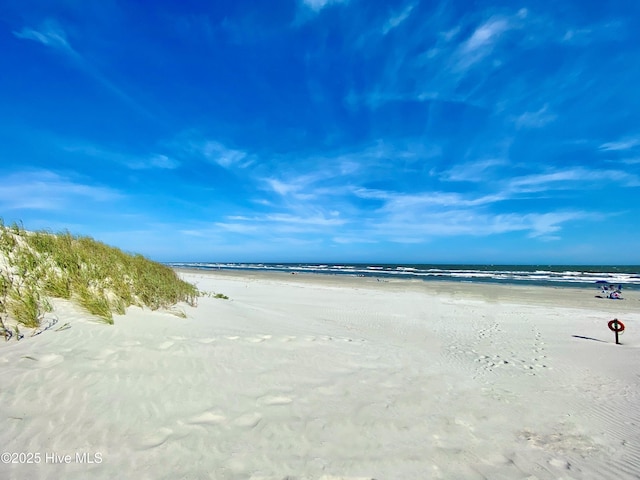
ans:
(309, 377)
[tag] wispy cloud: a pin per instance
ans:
(53, 36)
(447, 58)
(317, 5)
(46, 190)
(267, 226)
(235, 226)
(223, 156)
(485, 35)
(398, 201)
(482, 41)
(417, 226)
(401, 216)
(314, 176)
(570, 178)
(354, 239)
(284, 188)
(623, 144)
(397, 19)
(478, 171)
(629, 161)
(546, 225)
(189, 146)
(536, 119)
(316, 219)
(307, 186)
(577, 35)
(344, 165)
(323, 197)
(587, 34)
(129, 160)
(158, 161)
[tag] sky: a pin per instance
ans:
(400, 131)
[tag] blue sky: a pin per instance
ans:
(326, 130)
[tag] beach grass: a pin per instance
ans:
(35, 266)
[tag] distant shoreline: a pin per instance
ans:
(575, 296)
(558, 276)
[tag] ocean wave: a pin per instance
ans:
(574, 276)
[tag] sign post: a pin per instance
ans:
(616, 326)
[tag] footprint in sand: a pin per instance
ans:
(259, 339)
(155, 439)
(324, 477)
(248, 420)
(274, 400)
(560, 463)
(104, 354)
(207, 418)
(332, 477)
(166, 345)
(207, 341)
(45, 361)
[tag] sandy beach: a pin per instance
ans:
(327, 377)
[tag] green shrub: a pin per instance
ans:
(57, 285)
(25, 307)
(96, 304)
(103, 279)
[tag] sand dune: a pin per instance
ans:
(307, 377)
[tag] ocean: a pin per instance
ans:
(549, 275)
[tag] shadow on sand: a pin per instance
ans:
(588, 338)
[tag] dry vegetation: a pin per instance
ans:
(35, 266)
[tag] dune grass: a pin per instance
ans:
(105, 280)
